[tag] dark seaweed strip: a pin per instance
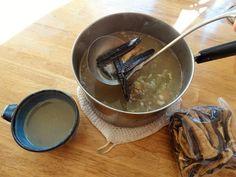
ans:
(221, 145)
(215, 115)
(189, 159)
(194, 143)
(136, 60)
(225, 127)
(203, 117)
(220, 166)
(122, 78)
(194, 170)
(175, 121)
(219, 125)
(117, 52)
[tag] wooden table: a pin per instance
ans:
(39, 57)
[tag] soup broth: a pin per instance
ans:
(49, 122)
(155, 85)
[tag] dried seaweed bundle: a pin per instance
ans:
(204, 140)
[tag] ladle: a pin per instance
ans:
(106, 43)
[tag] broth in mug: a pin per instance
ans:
(154, 86)
(49, 122)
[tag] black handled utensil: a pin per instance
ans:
(216, 52)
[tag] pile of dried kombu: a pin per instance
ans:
(204, 140)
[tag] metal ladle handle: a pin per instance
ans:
(229, 14)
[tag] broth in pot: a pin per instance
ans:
(154, 86)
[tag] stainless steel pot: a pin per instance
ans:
(148, 25)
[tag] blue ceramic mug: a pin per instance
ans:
(43, 121)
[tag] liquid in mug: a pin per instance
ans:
(49, 122)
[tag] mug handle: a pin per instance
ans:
(216, 52)
(9, 111)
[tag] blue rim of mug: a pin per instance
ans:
(76, 124)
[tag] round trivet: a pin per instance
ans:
(120, 135)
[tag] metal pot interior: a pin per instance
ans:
(138, 23)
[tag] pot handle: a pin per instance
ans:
(216, 52)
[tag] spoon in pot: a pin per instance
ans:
(106, 43)
(100, 46)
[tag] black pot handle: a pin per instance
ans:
(216, 52)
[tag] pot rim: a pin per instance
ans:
(118, 110)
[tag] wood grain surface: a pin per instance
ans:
(39, 57)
